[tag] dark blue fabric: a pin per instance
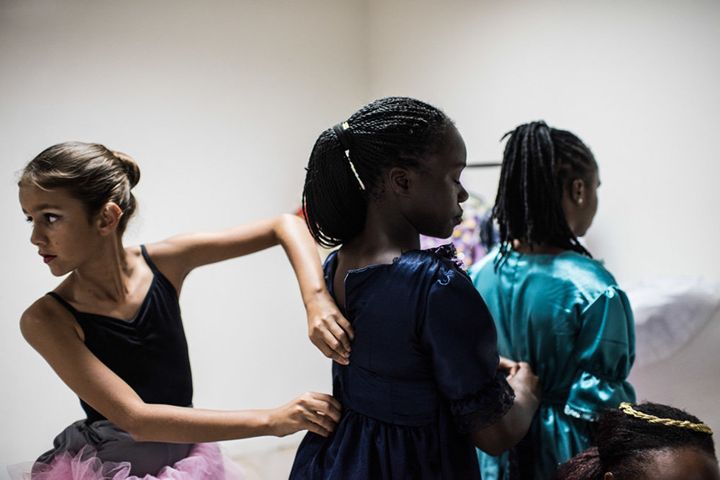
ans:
(423, 374)
(150, 352)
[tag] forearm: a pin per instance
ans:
(292, 234)
(517, 421)
(316, 412)
(511, 428)
(171, 424)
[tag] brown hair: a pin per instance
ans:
(90, 172)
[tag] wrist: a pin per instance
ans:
(269, 422)
(314, 295)
(528, 397)
(523, 391)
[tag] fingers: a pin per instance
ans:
(332, 335)
(336, 348)
(323, 404)
(526, 379)
(509, 366)
(340, 334)
(320, 424)
(525, 368)
(343, 341)
(322, 345)
(345, 325)
(321, 413)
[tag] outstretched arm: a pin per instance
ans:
(327, 328)
(58, 338)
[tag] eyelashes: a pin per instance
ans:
(48, 218)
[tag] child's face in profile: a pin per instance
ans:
(61, 230)
(436, 193)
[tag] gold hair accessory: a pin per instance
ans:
(628, 409)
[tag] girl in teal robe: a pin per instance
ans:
(554, 306)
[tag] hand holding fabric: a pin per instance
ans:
(328, 329)
(507, 366)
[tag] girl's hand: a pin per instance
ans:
(526, 381)
(316, 412)
(509, 367)
(328, 330)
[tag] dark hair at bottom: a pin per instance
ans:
(625, 443)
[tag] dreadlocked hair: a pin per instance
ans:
(625, 443)
(539, 162)
(393, 131)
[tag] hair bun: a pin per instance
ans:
(131, 168)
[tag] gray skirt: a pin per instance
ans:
(111, 444)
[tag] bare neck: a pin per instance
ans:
(106, 273)
(387, 234)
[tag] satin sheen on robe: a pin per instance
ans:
(566, 316)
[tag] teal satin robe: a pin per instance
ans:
(565, 315)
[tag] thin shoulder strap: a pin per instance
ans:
(63, 302)
(148, 260)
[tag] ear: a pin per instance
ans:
(399, 180)
(108, 218)
(577, 191)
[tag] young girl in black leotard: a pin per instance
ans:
(112, 329)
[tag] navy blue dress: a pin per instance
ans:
(423, 375)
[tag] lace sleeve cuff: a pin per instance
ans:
(483, 408)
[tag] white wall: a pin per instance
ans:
(220, 103)
(636, 80)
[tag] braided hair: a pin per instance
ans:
(346, 163)
(538, 164)
(626, 442)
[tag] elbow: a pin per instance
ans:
(282, 225)
(288, 221)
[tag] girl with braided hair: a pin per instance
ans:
(648, 441)
(113, 332)
(553, 305)
(423, 387)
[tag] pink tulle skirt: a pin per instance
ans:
(205, 462)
